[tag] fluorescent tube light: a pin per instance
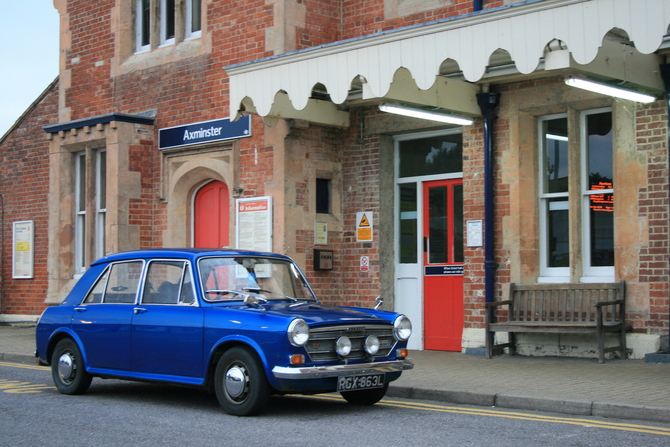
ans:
(556, 137)
(425, 114)
(610, 90)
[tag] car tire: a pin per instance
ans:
(240, 383)
(67, 368)
(365, 397)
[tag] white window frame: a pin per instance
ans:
(162, 16)
(548, 274)
(139, 18)
(80, 213)
(190, 33)
(100, 202)
(590, 273)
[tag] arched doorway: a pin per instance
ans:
(211, 216)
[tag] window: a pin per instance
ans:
(441, 154)
(420, 158)
(80, 212)
(176, 21)
(569, 182)
(118, 284)
(193, 18)
(100, 202)
(408, 224)
(322, 196)
(167, 17)
(168, 282)
(143, 25)
(90, 206)
(598, 194)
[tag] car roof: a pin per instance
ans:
(192, 254)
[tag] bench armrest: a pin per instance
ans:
(498, 303)
(608, 303)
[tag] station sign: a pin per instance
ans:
(204, 132)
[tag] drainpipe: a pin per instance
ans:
(487, 103)
(665, 74)
(479, 5)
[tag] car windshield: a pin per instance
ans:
(232, 278)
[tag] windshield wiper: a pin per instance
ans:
(223, 292)
(259, 290)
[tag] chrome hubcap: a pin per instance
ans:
(235, 382)
(66, 367)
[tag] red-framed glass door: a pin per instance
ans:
(443, 264)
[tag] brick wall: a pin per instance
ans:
(652, 140)
(24, 186)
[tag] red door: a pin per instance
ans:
(211, 216)
(443, 264)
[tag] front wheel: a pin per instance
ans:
(241, 386)
(365, 397)
(67, 368)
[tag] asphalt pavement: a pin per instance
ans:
(622, 389)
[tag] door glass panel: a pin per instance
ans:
(408, 224)
(458, 223)
(437, 215)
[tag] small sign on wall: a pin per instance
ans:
(474, 233)
(364, 226)
(254, 223)
(23, 250)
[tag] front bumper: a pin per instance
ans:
(319, 372)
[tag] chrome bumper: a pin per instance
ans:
(319, 372)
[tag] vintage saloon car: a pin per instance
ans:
(246, 324)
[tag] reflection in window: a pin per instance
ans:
(434, 155)
(600, 188)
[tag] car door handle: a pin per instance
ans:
(80, 309)
(139, 310)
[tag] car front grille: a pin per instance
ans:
(321, 344)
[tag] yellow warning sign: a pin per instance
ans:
(364, 226)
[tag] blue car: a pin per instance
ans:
(245, 324)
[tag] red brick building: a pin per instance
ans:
(173, 118)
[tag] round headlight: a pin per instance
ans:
(402, 328)
(343, 346)
(298, 332)
(372, 345)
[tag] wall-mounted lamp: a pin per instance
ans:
(618, 91)
(425, 114)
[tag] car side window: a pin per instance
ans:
(118, 284)
(168, 282)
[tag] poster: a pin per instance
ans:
(253, 217)
(22, 250)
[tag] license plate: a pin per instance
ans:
(352, 383)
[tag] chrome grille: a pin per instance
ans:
(321, 344)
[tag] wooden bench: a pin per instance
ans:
(560, 308)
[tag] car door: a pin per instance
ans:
(167, 324)
(102, 321)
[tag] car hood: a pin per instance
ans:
(319, 314)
